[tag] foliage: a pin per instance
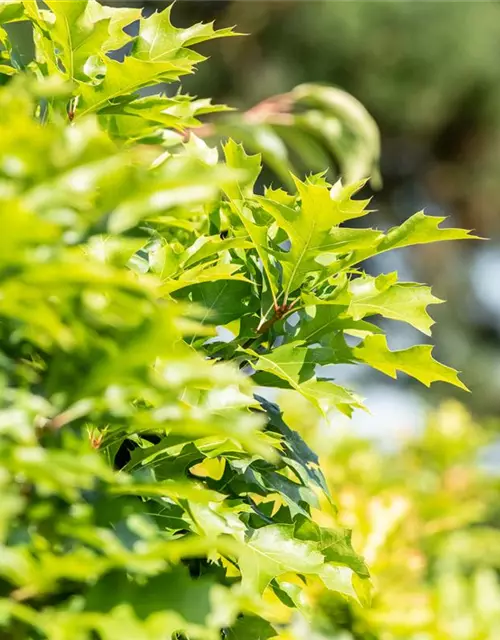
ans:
(425, 514)
(151, 306)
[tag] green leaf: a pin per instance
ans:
(76, 37)
(177, 112)
(11, 11)
(322, 320)
(275, 550)
(309, 228)
(336, 545)
(159, 40)
(251, 628)
(295, 447)
(416, 362)
(84, 30)
(123, 79)
(343, 240)
(407, 302)
(421, 229)
(237, 158)
(222, 301)
(6, 70)
(207, 246)
(203, 273)
(262, 138)
(170, 489)
(115, 19)
(272, 551)
(295, 365)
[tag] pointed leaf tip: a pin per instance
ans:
(416, 362)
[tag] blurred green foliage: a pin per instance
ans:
(425, 514)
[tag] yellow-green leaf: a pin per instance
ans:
(416, 362)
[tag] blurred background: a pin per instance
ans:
(429, 74)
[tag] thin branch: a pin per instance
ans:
(273, 110)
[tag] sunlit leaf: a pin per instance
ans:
(415, 361)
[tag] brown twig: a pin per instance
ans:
(275, 109)
(280, 310)
(261, 112)
(78, 410)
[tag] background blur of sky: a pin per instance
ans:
(429, 72)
